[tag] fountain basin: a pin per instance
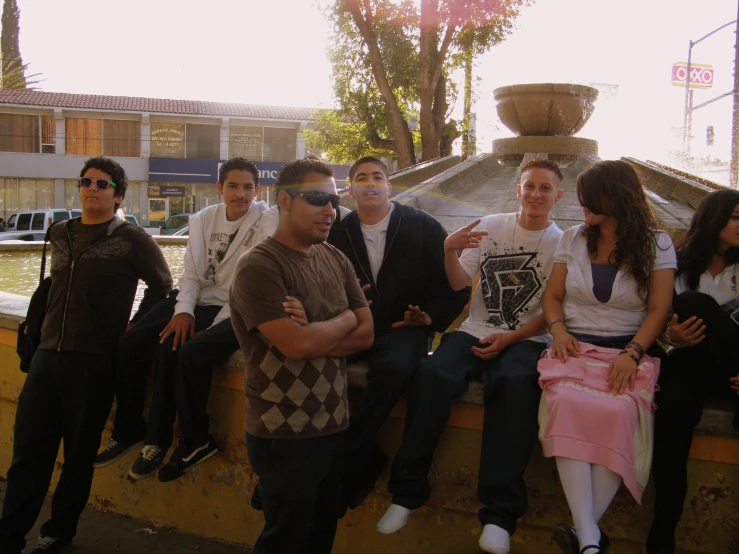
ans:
(545, 109)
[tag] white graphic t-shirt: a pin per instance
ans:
(514, 268)
(221, 235)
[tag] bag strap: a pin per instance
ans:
(43, 255)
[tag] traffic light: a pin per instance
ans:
(710, 134)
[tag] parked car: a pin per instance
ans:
(182, 231)
(36, 220)
(23, 235)
(175, 223)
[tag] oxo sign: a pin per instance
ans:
(701, 76)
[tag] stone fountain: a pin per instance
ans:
(545, 117)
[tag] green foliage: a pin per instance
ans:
(362, 123)
(14, 76)
(12, 69)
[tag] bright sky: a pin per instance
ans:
(274, 52)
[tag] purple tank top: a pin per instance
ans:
(603, 277)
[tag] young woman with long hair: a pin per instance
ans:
(704, 330)
(606, 302)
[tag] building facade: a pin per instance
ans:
(171, 149)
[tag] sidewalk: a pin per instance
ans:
(109, 533)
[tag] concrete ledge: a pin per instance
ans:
(669, 184)
(38, 245)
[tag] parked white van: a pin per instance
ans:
(36, 220)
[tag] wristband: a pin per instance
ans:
(630, 355)
(636, 346)
(553, 322)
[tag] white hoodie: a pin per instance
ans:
(195, 290)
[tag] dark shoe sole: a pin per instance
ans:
(98, 465)
(566, 539)
(188, 468)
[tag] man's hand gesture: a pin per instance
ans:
(465, 237)
(414, 317)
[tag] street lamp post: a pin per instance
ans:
(688, 104)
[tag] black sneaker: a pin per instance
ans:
(566, 539)
(50, 545)
(113, 452)
(184, 458)
(150, 459)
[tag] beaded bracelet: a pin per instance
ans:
(630, 355)
(638, 347)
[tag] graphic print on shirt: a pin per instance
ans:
(509, 282)
(217, 248)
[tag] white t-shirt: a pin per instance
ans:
(722, 287)
(625, 311)
(218, 239)
(514, 269)
(374, 239)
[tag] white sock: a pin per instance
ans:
(495, 540)
(394, 519)
(577, 483)
(605, 486)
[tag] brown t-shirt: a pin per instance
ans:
(285, 398)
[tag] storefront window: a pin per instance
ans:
(19, 133)
(167, 140)
(279, 144)
(18, 195)
(246, 142)
(203, 141)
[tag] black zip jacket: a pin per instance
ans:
(412, 270)
(92, 290)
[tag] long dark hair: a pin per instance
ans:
(612, 188)
(696, 247)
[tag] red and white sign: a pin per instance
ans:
(701, 75)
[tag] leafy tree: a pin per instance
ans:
(392, 61)
(12, 68)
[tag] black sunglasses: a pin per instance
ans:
(317, 198)
(101, 184)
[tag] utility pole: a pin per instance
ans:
(733, 169)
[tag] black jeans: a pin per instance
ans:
(300, 488)
(196, 360)
(67, 395)
(138, 349)
(511, 392)
(685, 376)
(393, 360)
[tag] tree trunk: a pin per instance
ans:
(468, 145)
(402, 137)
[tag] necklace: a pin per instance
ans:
(511, 274)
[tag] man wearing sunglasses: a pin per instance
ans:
(398, 253)
(185, 336)
(298, 311)
(96, 265)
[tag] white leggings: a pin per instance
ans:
(589, 489)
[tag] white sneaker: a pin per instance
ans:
(394, 519)
(495, 540)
